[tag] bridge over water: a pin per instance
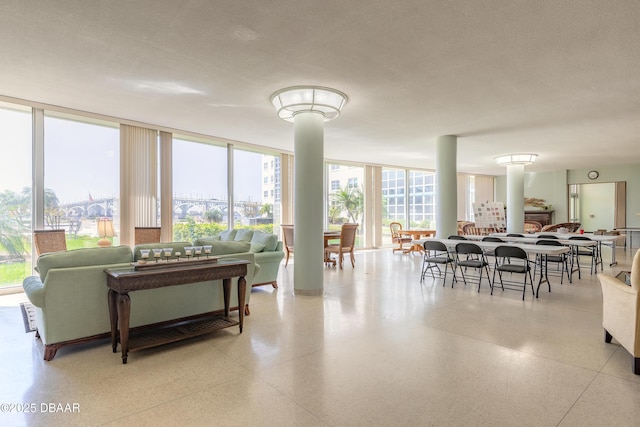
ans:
(182, 207)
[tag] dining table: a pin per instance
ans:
(417, 234)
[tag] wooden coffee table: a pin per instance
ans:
(123, 281)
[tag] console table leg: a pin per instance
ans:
(113, 317)
(124, 312)
(226, 287)
(242, 290)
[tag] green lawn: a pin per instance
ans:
(12, 274)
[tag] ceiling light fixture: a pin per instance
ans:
(516, 159)
(300, 99)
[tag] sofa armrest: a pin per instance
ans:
(34, 288)
(620, 317)
(269, 256)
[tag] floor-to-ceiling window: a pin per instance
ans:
(393, 200)
(81, 176)
(15, 194)
(200, 195)
(256, 190)
(422, 195)
(345, 197)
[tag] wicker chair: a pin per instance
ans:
(571, 227)
(49, 241)
(461, 225)
(146, 235)
(532, 227)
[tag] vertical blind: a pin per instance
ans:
(138, 180)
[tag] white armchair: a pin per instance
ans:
(621, 311)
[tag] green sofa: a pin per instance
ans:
(70, 294)
(266, 247)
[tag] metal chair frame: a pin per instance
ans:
(475, 259)
(593, 252)
(436, 253)
(510, 255)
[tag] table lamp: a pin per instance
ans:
(105, 232)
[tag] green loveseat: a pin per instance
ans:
(266, 247)
(70, 295)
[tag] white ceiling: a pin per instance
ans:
(556, 78)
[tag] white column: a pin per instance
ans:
(308, 273)
(515, 198)
(446, 186)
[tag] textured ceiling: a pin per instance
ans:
(556, 78)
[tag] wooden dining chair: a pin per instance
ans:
(49, 241)
(146, 235)
(287, 233)
(472, 230)
(346, 245)
(399, 238)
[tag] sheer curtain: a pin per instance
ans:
(484, 188)
(473, 189)
(138, 180)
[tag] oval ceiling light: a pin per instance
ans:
(310, 99)
(516, 159)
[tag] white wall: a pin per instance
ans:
(553, 187)
(550, 186)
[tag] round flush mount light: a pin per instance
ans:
(308, 99)
(516, 159)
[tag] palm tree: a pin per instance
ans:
(266, 210)
(350, 200)
(334, 214)
(13, 226)
(213, 215)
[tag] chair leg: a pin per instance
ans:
(531, 282)
(287, 260)
(636, 365)
(353, 260)
(607, 336)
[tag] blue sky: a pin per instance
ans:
(83, 159)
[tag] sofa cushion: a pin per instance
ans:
(224, 248)
(228, 234)
(83, 257)
(270, 241)
(243, 235)
(206, 241)
(256, 247)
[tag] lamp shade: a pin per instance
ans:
(105, 231)
(297, 99)
(516, 159)
(105, 228)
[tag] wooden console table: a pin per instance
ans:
(123, 281)
(541, 216)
